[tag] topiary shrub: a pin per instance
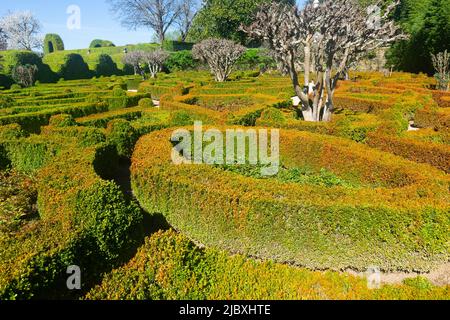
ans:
(74, 68)
(62, 120)
(52, 43)
(98, 43)
(146, 103)
(121, 134)
(105, 66)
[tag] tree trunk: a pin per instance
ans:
(306, 110)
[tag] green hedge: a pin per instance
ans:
(98, 43)
(83, 221)
(32, 122)
(394, 214)
(172, 45)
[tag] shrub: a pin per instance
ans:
(146, 103)
(52, 43)
(62, 120)
(171, 45)
(18, 197)
(255, 59)
(74, 68)
(271, 117)
(11, 131)
(181, 61)
(122, 135)
(105, 66)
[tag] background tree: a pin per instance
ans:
(222, 18)
(441, 63)
(220, 55)
(24, 74)
(428, 23)
(22, 30)
(334, 34)
(158, 15)
(155, 60)
(188, 10)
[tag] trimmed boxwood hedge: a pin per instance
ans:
(83, 220)
(400, 223)
(169, 266)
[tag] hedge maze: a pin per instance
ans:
(360, 190)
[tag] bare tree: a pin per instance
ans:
(155, 60)
(24, 74)
(333, 34)
(220, 55)
(134, 59)
(158, 15)
(188, 11)
(22, 30)
(441, 63)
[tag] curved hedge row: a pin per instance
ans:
(169, 266)
(397, 219)
(83, 220)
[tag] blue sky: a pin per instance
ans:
(97, 22)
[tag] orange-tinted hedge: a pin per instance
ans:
(400, 221)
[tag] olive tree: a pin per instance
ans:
(220, 55)
(155, 60)
(134, 59)
(24, 74)
(329, 36)
(441, 63)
